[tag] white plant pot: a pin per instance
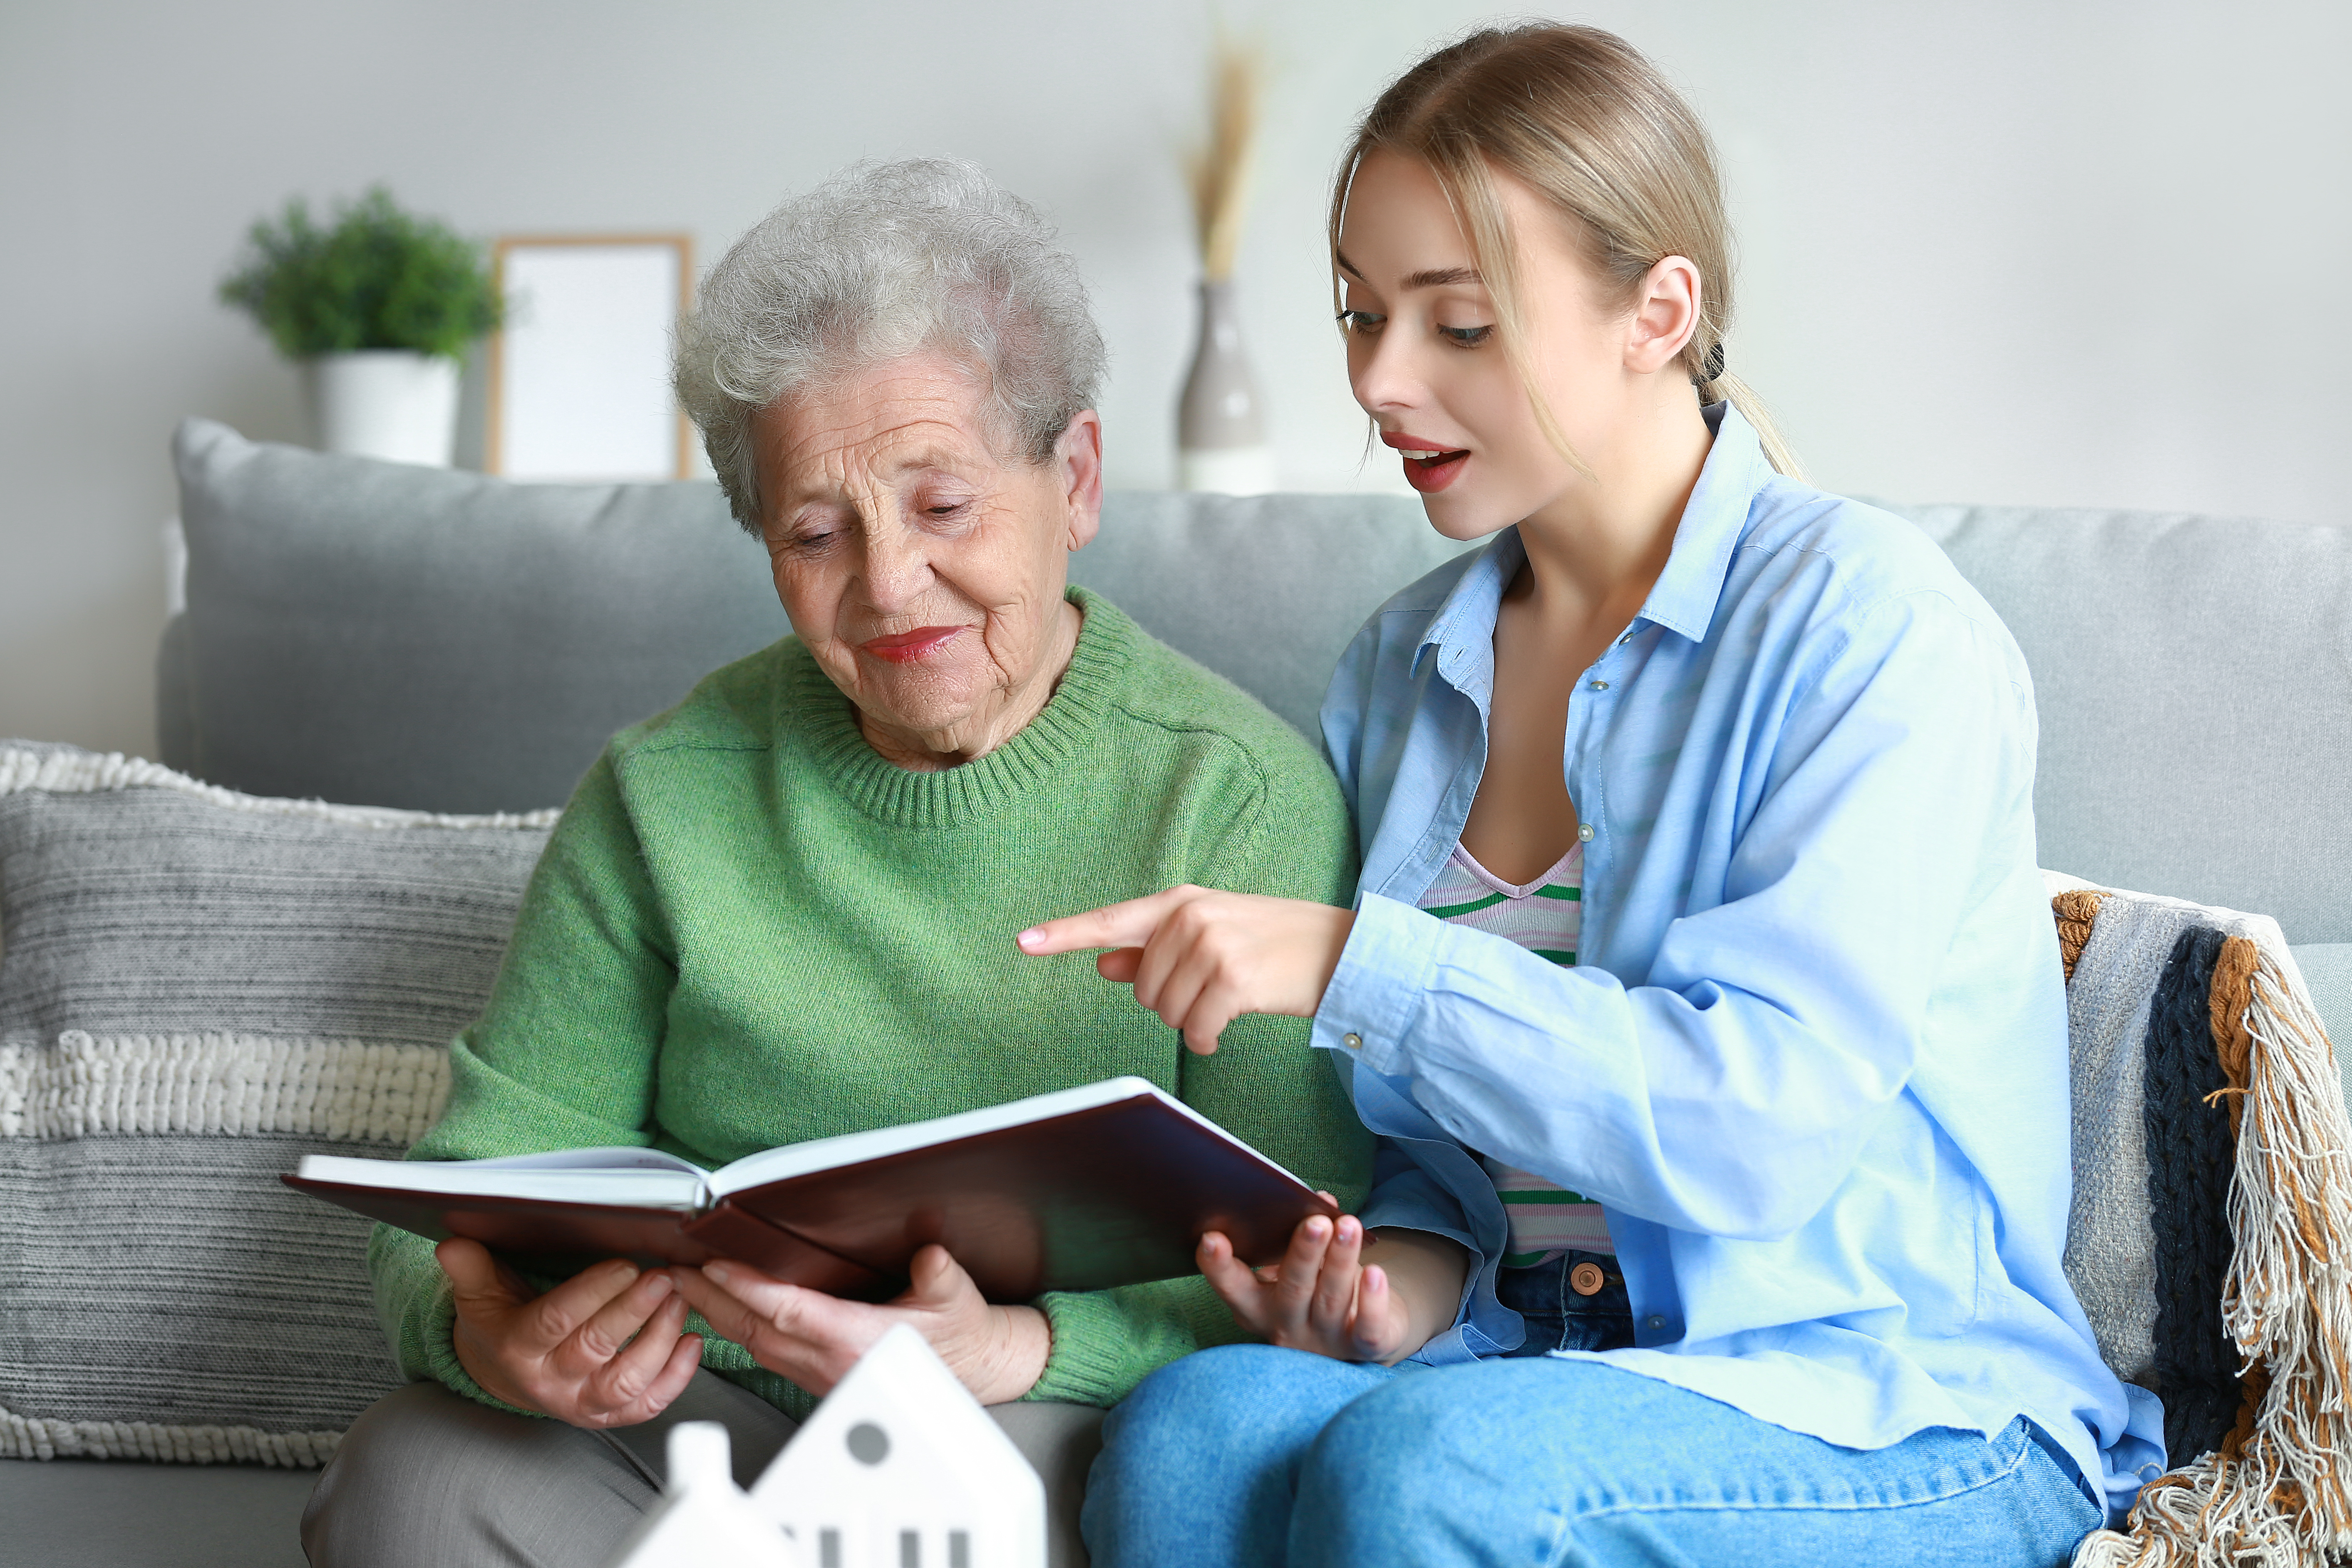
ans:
(392, 403)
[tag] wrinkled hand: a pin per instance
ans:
(1321, 1297)
(1201, 958)
(606, 1348)
(999, 1352)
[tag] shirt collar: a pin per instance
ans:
(1684, 598)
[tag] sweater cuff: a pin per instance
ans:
(1376, 993)
(418, 1308)
(1084, 1365)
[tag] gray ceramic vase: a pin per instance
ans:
(1220, 438)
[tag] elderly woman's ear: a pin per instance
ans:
(1078, 454)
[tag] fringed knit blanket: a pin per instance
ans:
(2211, 1241)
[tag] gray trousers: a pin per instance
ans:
(427, 1478)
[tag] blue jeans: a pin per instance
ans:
(1557, 1316)
(1251, 1455)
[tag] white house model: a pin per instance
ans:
(900, 1467)
(703, 1520)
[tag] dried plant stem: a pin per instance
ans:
(1221, 170)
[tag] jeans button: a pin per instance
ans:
(1586, 1279)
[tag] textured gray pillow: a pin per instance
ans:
(197, 989)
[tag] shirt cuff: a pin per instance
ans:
(1376, 993)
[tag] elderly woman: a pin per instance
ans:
(786, 909)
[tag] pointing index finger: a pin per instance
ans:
(1128, 924)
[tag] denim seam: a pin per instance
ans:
(1571, 1516)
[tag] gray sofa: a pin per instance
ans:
(399, 636)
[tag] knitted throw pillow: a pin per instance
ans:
(2211, 1237)
(197, 989)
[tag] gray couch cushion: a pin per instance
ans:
(384, 634)
(2194, 676)
(2328, 975)
(1267, 590)
(373, 632)
(377, 632)
(79, 1513)
(2327, 971)
(197, 989)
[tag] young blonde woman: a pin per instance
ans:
(1700, 984)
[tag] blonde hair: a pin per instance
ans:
(1582, 118)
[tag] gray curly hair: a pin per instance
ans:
(880, 261)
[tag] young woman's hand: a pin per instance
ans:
(1200, 958)
(606, 1348)
(999, 1352)
(1322, 1297)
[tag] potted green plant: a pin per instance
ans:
(379, 307)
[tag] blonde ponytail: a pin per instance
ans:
(1742, 396)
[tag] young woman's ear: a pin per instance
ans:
(1666, 305)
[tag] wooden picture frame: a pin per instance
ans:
(579, 376)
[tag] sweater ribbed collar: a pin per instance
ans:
(823, 720)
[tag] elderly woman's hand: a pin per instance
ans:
(999, 1352)
(606, 1348)
(1200, 958)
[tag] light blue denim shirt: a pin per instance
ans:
(1812, 1060)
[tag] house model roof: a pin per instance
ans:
(900, 1467)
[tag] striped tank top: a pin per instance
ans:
(1545, 916)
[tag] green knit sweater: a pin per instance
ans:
(748, 930)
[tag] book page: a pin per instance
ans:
(629, 1178)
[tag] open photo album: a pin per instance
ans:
(1083, 1189)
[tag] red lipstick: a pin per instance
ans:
(906, 648)
(1428, 466)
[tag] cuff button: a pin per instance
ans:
(1353, 1042)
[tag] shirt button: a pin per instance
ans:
(1600, 685)
(1626, 639)
(1584, 833)
(1353, 1042)
(1655, 1323)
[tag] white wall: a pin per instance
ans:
(2086, 253)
